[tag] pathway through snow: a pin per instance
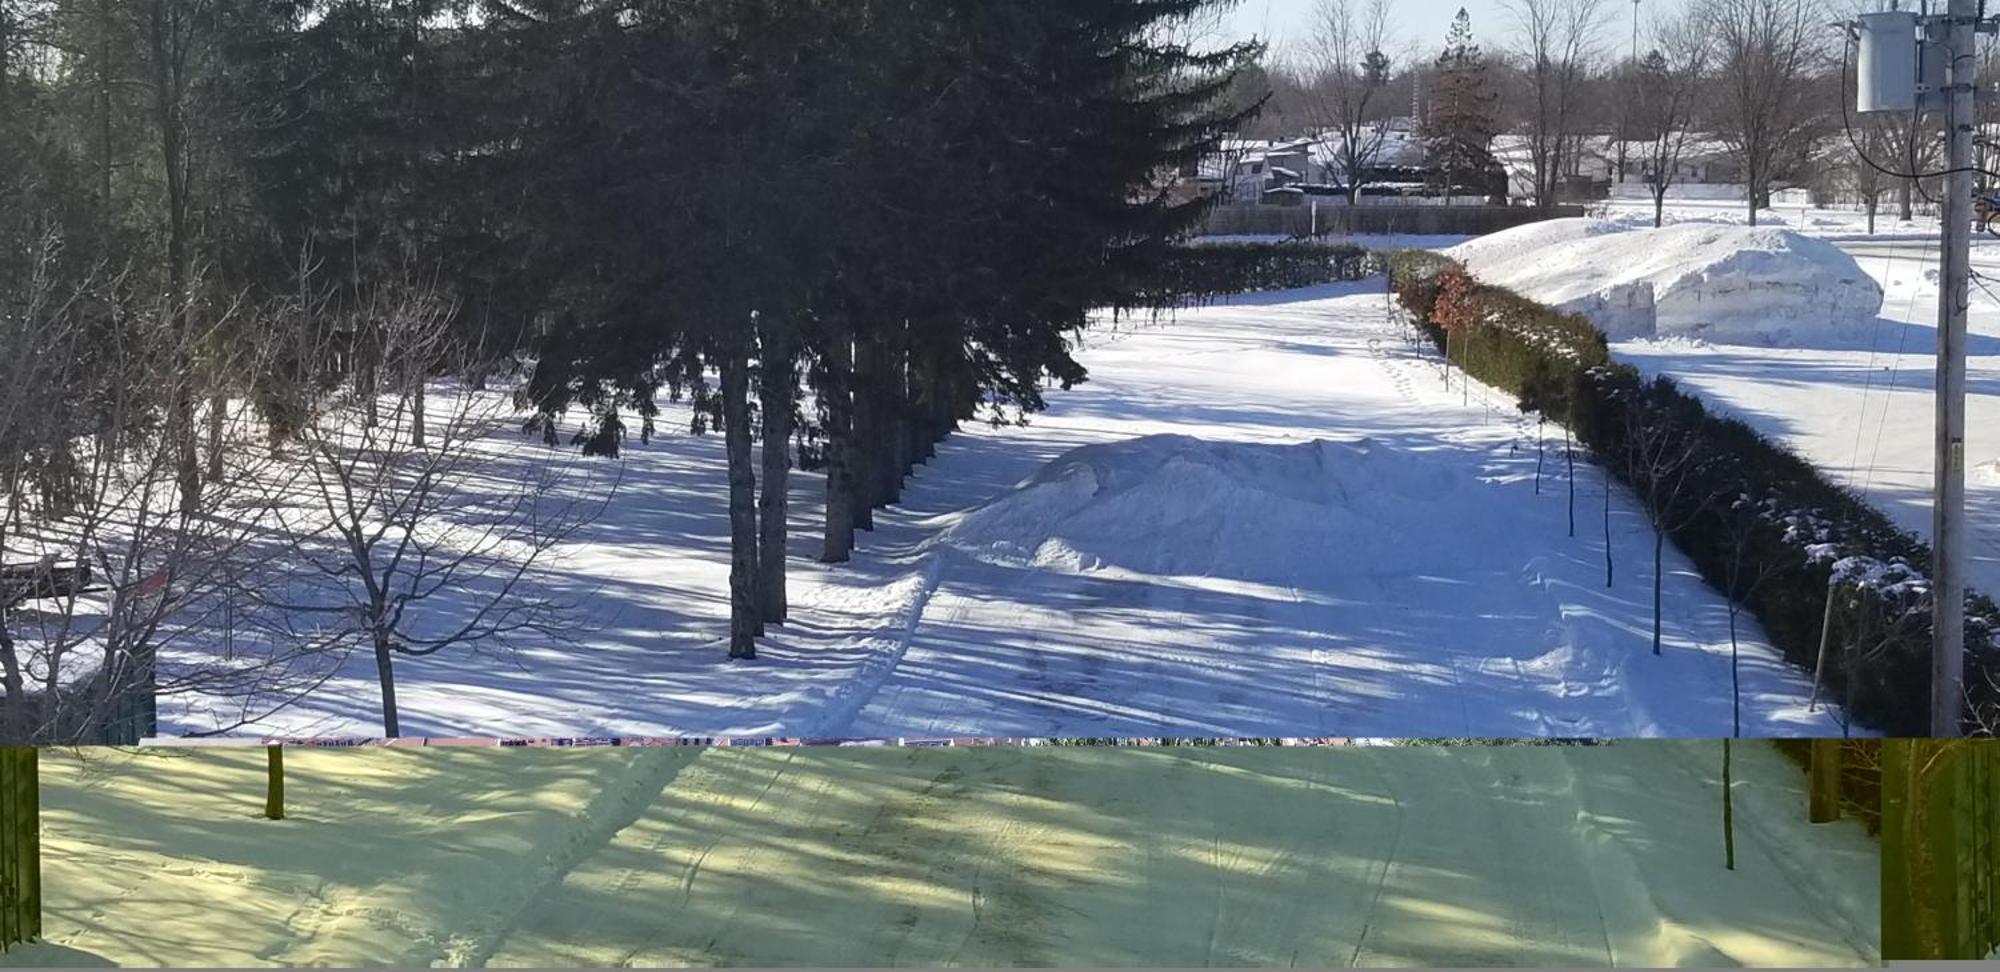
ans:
(982, 856)
(1317, 537)
(1302, 530)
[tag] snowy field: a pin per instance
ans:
(1474, 856)
(1283, 521)
(1860, 405)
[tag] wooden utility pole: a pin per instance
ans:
(1954, 34)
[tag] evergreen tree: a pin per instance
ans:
(920, 201)
(1461, 122)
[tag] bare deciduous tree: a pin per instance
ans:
(123, 592)
(1345, 75)
(1661, 454)
(1743, 519)
(1560, 40)
(1672, 79)
(407, 547)
(1765, 51)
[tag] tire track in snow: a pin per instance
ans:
(854, 693)
(624, 799)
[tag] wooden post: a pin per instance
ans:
(1728, 813)
(274, 782)
(1902, 879)
(1823, 796)
(20, 846)
(1825, 631)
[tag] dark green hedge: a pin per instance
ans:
(1761, 524)
(1197, 273)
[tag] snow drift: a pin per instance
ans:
(1178, 505)
(1725, 283)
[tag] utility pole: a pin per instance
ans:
(1631, 93)
(1929, 64)
(1955, 34)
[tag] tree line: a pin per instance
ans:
(253, 250)
(1765, 88)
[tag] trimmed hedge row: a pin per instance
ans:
(1198, 273)
(1761, 524)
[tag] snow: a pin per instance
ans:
(1481, 253)
(981, 856)
(1861, 409)
(1719, 282)
(1195, 593)
(1357, 547)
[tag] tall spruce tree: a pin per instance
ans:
(920, 201)
(1461, 123)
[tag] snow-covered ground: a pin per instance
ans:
(1285, 523)
(1440, 856)
(1861, 408)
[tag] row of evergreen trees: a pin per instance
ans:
(846, 225)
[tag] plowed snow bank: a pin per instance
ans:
(1731, 284)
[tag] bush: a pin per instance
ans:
(1195, 274)
(1761, 524)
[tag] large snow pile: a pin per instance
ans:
(1732, 284)
(1178, 505)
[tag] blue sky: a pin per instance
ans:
(1420, 21)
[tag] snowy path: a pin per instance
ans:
(1336, 543)
(1435, 594)
(1466, 856)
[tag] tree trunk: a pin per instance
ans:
(1751, 191)
(1569, 459)
(1823, 803)
(1735, 672)
(274, 783)
(168, 85)
(1903, 201)
(776, 392)
(218, 417)
(743, 616)
(1728, 812)
(365, 381)
(385, 672)
(1607, 528)
(879, 374)
(187, 455)
(865, 440)
(104, 117)
(418, 429)
(1539, 450)
(10, 668)
(1659, 207)
(838, 538)
(898, 452)
(1872, 203)
(876, 382)
(1659, 549)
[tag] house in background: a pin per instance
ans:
(1287, 172)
